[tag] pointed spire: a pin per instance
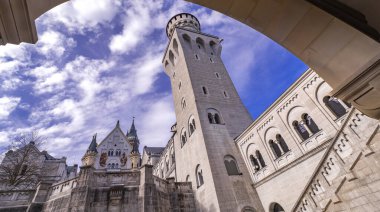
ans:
(132, 131)
(118, 123)
(93, 144)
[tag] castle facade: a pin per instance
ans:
(307, 152)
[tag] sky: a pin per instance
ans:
(99, 61)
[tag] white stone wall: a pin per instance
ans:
(283, 177)
(115, 140)
(165, 165)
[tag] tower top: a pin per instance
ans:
(183, 20)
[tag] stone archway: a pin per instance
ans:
(339, 41)
(275, 207)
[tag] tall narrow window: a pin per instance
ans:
(191, 126)
(217, 118)
(310, 123)
(260, 158)
(210, 118)
(173, 158)
(225, 94)
(183, 103)
(282, 143)
(231, 165)
(196, 57)
(179, 85)
(275, 149)
(217, 75)
(199, 176)
(334, 106)
(301, 131)
(213, 47)
(254, 162)
(204, 90)
(200, 43)
(187, 40)
(183, 137)
(175, 45)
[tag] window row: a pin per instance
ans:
(111, 152)
(200, 44)
(205, 91)
(229, 163)
(306, 127)
(113, 165)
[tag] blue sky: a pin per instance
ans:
(99, 61)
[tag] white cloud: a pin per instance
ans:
(7, 105)
(82, 15)
(156, 122)
(54, 44)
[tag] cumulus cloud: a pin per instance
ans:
(54, 44)
(82, 15)
(7, 105)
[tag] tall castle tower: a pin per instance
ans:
(209, 115)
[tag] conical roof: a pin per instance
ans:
(93, 145)
(132, 133)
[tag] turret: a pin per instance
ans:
(134, 141)
(89, 157)
(132, 134)
(183, 20)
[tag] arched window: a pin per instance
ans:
(275, 207)
(310, 123)
(231, 166)
(334, 106)
(187, 40)
(200, 43)
(248, 209)
(173, 158)
(275, 149)
(183, 137)
(217, 75)
(116, 165)
(213, 116)
(199, 176)
(175, 45)
(301, 130)
(112, 166)
(260, 158)
(213, 47)
(172, 58)
(254, 162)
(183, 103)
(282, 143)
(109, 165)
(191, 126)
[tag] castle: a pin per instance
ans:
(307, 152)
